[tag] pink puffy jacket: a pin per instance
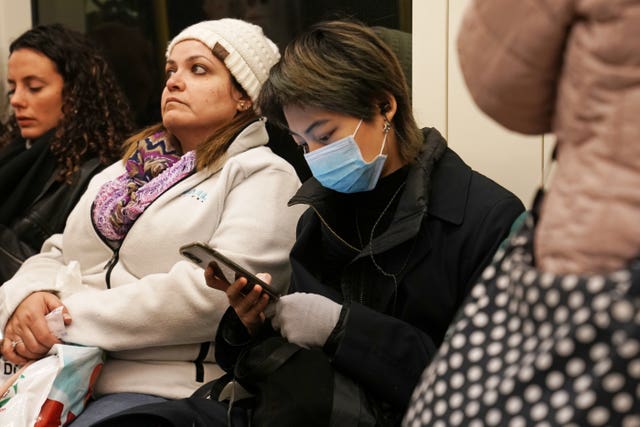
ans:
(571, 67)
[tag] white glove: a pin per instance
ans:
(306, 319)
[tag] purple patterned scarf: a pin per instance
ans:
(150, 171)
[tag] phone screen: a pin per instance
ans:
(202, 254)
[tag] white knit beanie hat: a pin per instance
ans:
(251, 53)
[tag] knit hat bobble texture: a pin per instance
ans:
(251, 53)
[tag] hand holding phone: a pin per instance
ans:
(202, 254)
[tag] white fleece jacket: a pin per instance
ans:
(159, 310)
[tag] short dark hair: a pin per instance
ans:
(344, 67)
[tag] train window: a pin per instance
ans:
(133, 34)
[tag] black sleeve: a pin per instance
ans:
(13, 252)
(388, 373)
(232, 338)
(489, 235)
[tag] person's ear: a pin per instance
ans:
(388, 107)
(244, 105)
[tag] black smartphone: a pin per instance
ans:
(201, 254)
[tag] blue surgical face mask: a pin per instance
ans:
(340, 166)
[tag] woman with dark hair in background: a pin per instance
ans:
(68, 122)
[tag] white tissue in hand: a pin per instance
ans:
(55, 322)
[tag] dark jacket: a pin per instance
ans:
(446, 227)
(445, 236)
(47, 215)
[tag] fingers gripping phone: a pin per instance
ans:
(202, 254)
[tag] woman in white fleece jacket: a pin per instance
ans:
(203, 174)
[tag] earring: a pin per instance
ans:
(387, 126)
(242, 106)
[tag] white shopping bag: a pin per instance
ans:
(52, 390)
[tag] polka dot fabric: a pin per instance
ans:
(536, 349)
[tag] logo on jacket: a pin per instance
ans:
(199, 195)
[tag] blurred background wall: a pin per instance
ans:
(133, 35)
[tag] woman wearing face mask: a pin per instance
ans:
(68, 122)
(203, 174)
(398, 228)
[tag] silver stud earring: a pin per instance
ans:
(387, 126)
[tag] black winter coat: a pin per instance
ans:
(447, 226)
(47, 215)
